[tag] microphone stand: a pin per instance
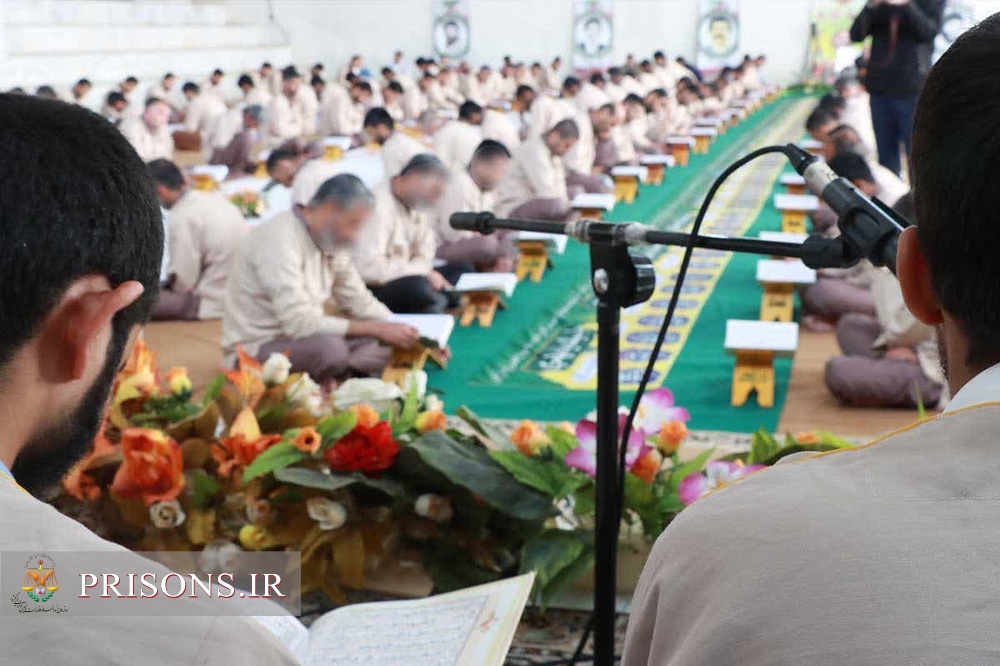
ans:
(621, 279)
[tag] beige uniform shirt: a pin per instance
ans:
(339, 114)
(202, 112)
(396, 241)
(473, 91)
(414, 102)
(535, 173)
(581, 156)
(456, 142)
(890, 187)
(150, 146)
(440, 98)
(497, 126)
(884, 555)
(28, 524)
(398, 150)
(286, 120)
(282, 285)
(462, 196)
(545, 113)
(259, 96)
(306, 96)
(204, 229)
(226, 126)
(638, 132)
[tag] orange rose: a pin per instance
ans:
(529, 438)
(648, 465)
(367, 416)
(152, 467)
(672, 433)
(178, 381)
(431, 420)
(307, 440)
(244, 443)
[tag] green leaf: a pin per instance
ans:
(278, 456)
(311, 478)
(686, 469)
(553, 553)
(562, 442)
(500, 441)
(543, 473)
(203, 489)
(763, 447)
(408, 414)
(213, 390)
(333, 428)
(470, 466)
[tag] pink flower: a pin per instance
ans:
(584, 457)
(718, 474)
(657, 408)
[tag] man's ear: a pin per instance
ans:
(79, 325)
(915, 279)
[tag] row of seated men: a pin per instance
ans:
(888, 359)
(320, 280)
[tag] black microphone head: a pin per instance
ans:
(473, 222)
(799, 158)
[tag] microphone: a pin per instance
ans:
(869, 227)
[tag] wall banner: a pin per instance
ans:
(593, 35)
(719, 35)
(451, 33)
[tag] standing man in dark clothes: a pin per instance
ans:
(902, 33)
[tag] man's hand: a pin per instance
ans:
(400, 336)
(901, 354)
(438, 281)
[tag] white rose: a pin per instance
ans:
(166, 515)
(276, 369)
(219, 556)
(366, 391)
(418, 379)
(307, 394)
(329, 514)
(433, 404)
(434, 507)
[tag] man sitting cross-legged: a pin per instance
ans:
(203, 229)
(395, 252)
(294, 288)
(473, 189)
(536, 184)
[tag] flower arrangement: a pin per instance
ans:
(250, 203)
(371, 473)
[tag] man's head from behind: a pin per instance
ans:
(854, 168)
(490, 164)
(378, 125)
(820, 122)
(421, 182)
(947, 265)
(562, 137)
(167, 180)
(842, 139)
(338, 210)
(81, 241)
(361, 92)
(471, 113)
(282, 165)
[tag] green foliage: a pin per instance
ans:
(682, 470)
(213, 390)
(311, 478)
(471, 467)
(562, 442)
(451, 568)
(489, 433)
(545, 472)
(556, 557)
(766, 450)
(764, 446)
(203, 489)
(274, 458)
(164, 410)
(333, 428)
(408, 414)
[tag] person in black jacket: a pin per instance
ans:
(902, 33)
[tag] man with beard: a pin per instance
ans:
(884, 554)
(80, 249)
(396, 250)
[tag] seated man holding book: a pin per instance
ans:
(473, 189)
(535, 187)
(294, 288)
(396, 251)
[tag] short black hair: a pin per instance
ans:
(490, 150)
(46, 92)
(660, 54)
(833, 102)
(523, 89)
(218, 72)
(168, 75)
(819, 117)
(469, 109)
(378, 116)
(114, 97)
(851, 166)
(954, 162)
(154, 100)
(84, 82)
(244, 80)
(570, 82)
(131, 79)
(632, 98)
(190, 86)
(361, 84)
(615, 71)
(395, 86)
(75, 200)
(266, 64)
(596, 78)
(289, 73)
(425, 163)
(165, 173)
(280, 155)
(566, 129)
(387, 70)
(317, 80)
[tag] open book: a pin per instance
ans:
(471, 626)
(555, 242)
(502, 283)
(435, 329)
